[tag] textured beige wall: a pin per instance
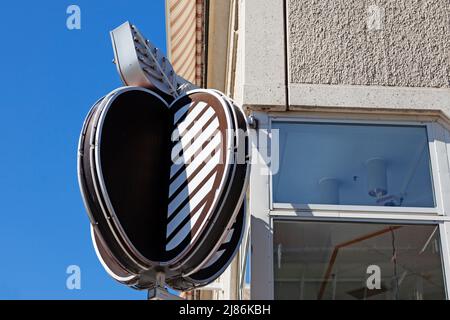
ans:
(331, 42)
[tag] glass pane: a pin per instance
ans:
(247, 280)
(355, 261)
(375, 165)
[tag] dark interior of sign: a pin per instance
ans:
(134, 159)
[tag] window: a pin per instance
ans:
(345, 197)
(353, 164)
(331, 260)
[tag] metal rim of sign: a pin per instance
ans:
(107, 259)
(139, 63)
(115, 270)
(86, 183)
(114, 219)
(115, 250)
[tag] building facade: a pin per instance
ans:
(349, 194)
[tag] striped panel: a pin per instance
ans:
(185, 20)
(196, 156)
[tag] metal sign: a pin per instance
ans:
(163, 179)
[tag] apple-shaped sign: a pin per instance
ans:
(163, 184)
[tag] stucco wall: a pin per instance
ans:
(335, 42)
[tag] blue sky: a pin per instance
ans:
(50, 77)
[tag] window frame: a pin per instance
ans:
(264, 211)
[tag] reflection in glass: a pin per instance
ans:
(321, 260)
(348, 164)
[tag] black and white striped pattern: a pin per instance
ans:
(197, 164)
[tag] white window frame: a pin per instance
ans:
(431, 135)
(264, 211)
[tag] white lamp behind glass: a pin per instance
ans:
(376, 177)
